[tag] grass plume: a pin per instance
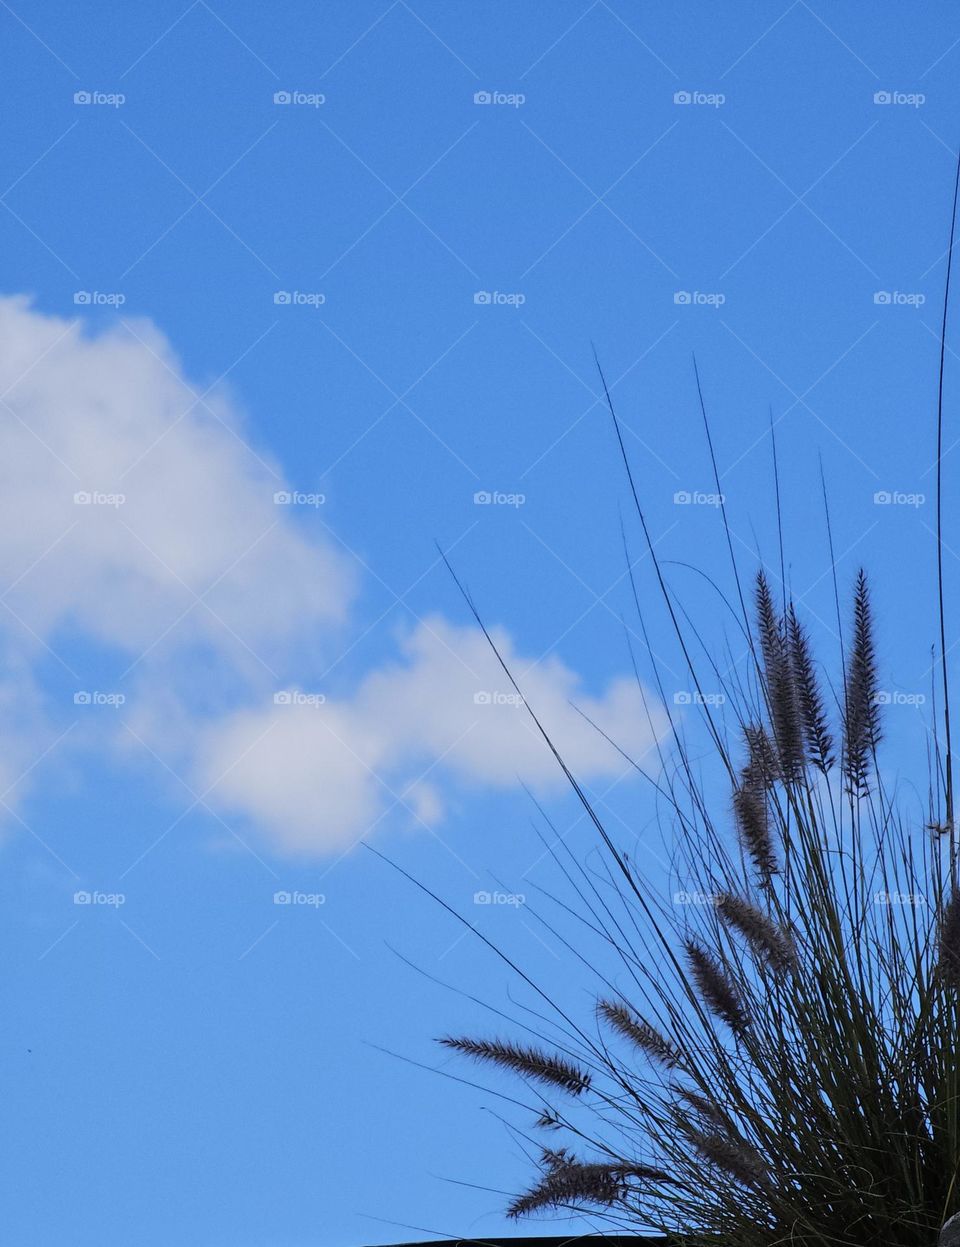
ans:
(533, 1062)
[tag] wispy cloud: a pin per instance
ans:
(144, 522)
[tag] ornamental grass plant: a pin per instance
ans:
(780, 1064)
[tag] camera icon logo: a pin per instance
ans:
(282, 498)
(882, 297)
(282, 297)
(483, 297)
(682, 498)
(82, 97)
(281, 898)
(682, 699)
(82, 297)
(282, 97)
(81, 898)
(482, 97)
(682, 97)
(682, 297)
(283, 698)
(882, 97)
(482, 698)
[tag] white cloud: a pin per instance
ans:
(112, 414)
(318, 776)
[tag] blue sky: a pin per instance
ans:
(286, 288)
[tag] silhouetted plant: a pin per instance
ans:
(798, 1038)
(780, 1065)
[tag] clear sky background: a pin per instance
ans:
(355, 255)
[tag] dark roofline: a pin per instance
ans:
(565, 1240)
